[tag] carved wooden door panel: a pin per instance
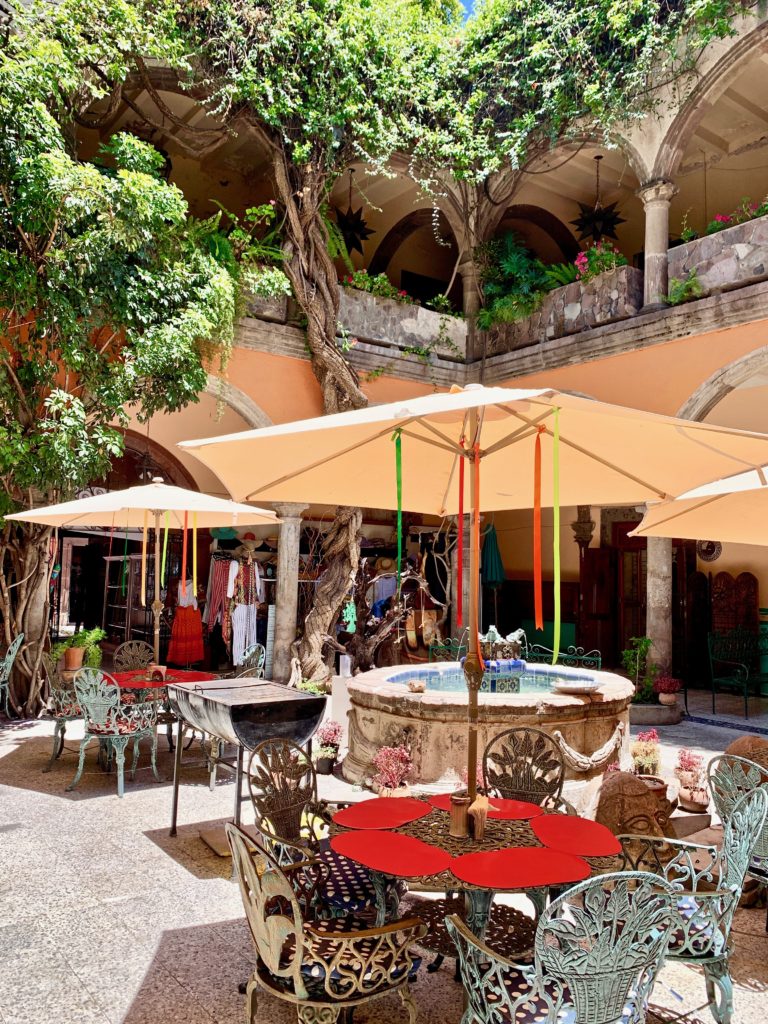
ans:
(597, 611)
(724, 613)
(747, 600)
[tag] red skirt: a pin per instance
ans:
(186, 645)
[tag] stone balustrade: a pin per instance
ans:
(728, 259)
(614, 295)
(371, 318)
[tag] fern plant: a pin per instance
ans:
(514, 281)
(337, 247)
(685, 290)
(559, 274)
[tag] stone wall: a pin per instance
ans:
(371, 318)
(615, 295)
(727, 259)
(269, 309)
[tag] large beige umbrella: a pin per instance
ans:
(606, 454)
(130, 508)
(734, 509)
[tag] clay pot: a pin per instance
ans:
(668, 699)
(403, 790)
(695, 800)
(656, 784)
(324, 765)
(73, 658)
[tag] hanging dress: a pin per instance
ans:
(186, 645)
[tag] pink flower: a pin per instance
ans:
(651, 736)
(722, 218)
(401, 292)
(393, 766)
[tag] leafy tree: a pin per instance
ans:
(111, 297)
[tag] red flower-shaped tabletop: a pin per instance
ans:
(523, 867)
(382, 812)
(504, 810)
(575, 835)
(392, 853)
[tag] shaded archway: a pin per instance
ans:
(722, 382)
(548, 223)
(399, 234)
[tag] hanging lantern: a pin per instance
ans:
(354, 230)
(598, 221)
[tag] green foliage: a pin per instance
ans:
(514, 281)
(337, 247)
(442, 304)
(89, 639)
(745, 211)
(379, 285)
(634, 660)
(557, 275)
(685, 290)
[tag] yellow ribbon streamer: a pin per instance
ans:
(194, 554)
(144, 559)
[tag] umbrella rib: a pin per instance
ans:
(438, 433)
(454, 464)
(428, 440)
(519, 434)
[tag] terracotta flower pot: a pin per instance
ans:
(695, 800)
(668, 699)
(656, 784)
(73, 658)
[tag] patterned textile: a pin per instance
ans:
(186, 637)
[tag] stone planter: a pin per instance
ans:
(727, 259)
(655, 714)
(269, 309)
(668, 700)
(370, 318)
(614, 295)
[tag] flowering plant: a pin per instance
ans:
(393, 766)
(596, 259)
(646, 753)
(329, 733)
(690, 769)
(667, 684)
(378, 285)
(746, 210)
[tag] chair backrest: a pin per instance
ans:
(283, 788)
(730, 777)
(599, 946)
(6, 665)
(132, 654)
(98, 696)
(254, 658)
(605, 939)
(524, 764)
(271, 908)
(743, 829)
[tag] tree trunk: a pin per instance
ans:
(341, 554)
(26, 563)
(314, 280)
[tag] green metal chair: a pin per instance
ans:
(324, 968)
(62, 707)
(708, 886)
(6, 667)
(253, 661)
(132, 654)
(526, 764)
(730, 777)
(598, 950)
(112, 724)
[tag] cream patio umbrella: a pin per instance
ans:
(591, 452)
(130, 509)
(733, 509)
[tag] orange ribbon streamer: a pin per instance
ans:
(538, 601)
(460, 547)
(184, 554)
(476, 543)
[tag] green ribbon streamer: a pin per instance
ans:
(556, 532)
(399, 475)
(165, 552)
(124, 574)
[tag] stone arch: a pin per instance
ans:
(397, 235)
(548, 222)
(710, 87)
(237, 400)
(724, 380)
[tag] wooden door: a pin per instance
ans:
(632, 564)
(597, 603)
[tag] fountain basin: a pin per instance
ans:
(591, 729)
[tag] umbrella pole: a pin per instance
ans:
(473, 668)
(157, 604)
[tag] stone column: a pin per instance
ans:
(471, 302)
(658, 603)
(287, 587)
(464, 582)
(656, 197)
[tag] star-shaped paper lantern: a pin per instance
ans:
(598, 221)
(353, 228)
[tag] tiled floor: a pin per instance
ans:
(104, 918)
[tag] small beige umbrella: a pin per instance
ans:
(733, 509)
(129, 509)
(607, 454)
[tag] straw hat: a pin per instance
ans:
(385, 564)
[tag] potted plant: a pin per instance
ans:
(80, 649)
(634, 660)
(646, 761)
(693, 795)
(667, 688)
(393, 766)
(329, 737)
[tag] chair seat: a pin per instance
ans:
(535, 1009)
(348, 887)
(65, 711)
(117, 727)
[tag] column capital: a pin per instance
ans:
(289, 509)
(656, 192)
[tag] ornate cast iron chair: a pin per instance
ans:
(323, 971)
(730, 777)
(113, 724)
(62, 707)
(708, 885)
(292, 823)
(598, 949)
(132, 654)
(526, 764)
(254, 658)
(6, 666)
